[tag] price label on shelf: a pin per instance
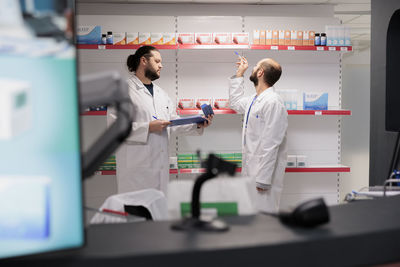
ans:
(101, 47)
(320, 48)
(200, 112)
(343, 48)
(318, 113)
(274, 47)
(291, 48)
(195, 170)
(332, 48)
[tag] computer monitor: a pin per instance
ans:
(40, 159)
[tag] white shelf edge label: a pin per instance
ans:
(318, 113)
(101, 47)
(320, 48)
(291, 48)
(332, 48)
(195, 170)
(274, 47)
(343, 48)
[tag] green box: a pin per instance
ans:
(223, 208)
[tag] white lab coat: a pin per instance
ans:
(143, 159)
(264, 142)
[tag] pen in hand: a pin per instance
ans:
(155, 117)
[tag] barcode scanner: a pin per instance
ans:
(307, 214)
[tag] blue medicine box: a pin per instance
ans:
(315, 101)
(88, 35)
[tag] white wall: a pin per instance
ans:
(355, 130)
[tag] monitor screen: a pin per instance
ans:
(40, 164)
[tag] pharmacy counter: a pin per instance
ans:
(360, 233)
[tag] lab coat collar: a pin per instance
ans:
(265, 93)
(140, 85)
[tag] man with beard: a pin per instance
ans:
(265, 123)
(143, 159)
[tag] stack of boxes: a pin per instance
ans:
(192, 161)
(283, 37)
(109, 165)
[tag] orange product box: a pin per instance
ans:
(281, 37)
(311, 37)
(268, 37)
(240, 37)
(287, 37)
(144, 38)
(156, 38)
(293, 37)
(222, 38)
(299, 37)
(204, 38)
(275, 37)
(186, 38)
(132, 38)
(256, 37)
(262, 37)
(306, 37)
(169, 38)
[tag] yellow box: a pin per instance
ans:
(144, 38)
(156, 38)
(132, 38)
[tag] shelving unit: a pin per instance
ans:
(201, 71)
(342, 112)
(307, 169)
(213, 47)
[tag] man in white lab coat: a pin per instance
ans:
(264, 131)
(143, 159)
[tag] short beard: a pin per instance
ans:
(151, 74)
(253, 78)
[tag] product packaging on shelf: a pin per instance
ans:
(169, 38)
(222, 38)
(156, 38)
(299, 38)
(315, 101)
(301, 161)
(186, 103)
(311, 37)
(201, 101)
(132, 38)
(268, 37)
(173, 162)
(205, 38)
(256, 37)
(291, 161)
(262, 37)
(275, 37)
(221, 103)
(144, 38)
(119, 38)
(281, 37)
(306, 38)
(287, 37)
(186, 38)
(289, 97)
(293, 37)
(240, 38)
(88, 35)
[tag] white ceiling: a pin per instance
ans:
(354, 13)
